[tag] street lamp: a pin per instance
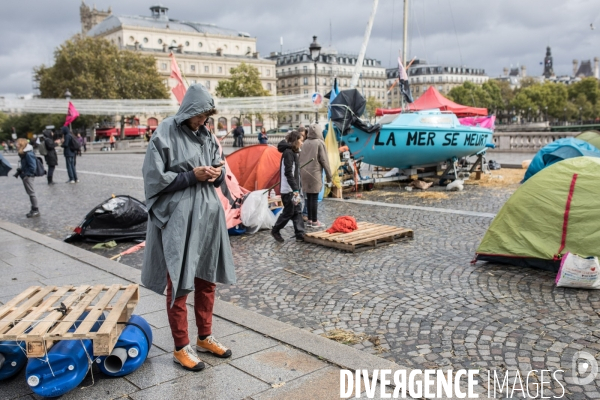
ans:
(565, 111)
(580, 121)
(68, 95)
(315, 51)
(514, 116)
(528, 115)
(546, 112)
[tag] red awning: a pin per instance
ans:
(433, 99)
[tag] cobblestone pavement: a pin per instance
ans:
(429, 306)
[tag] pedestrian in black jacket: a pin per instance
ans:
(51, 156)
(290, 187)
(69, 154)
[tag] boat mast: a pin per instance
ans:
(363, 49)
(404, 45)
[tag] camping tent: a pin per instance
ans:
(554, 212)
(432, 99)
(256, 167)
(557, 151)
(592, 137)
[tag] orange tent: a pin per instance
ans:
(433, 99)
(256, 167)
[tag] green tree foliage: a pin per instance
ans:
(28, 123)
(371, 106)
(534, 98)
(244, 82)
(93, 68)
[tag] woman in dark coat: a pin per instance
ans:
(51, 156)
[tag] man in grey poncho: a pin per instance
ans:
(187, 246)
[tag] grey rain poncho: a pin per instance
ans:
(187, 233)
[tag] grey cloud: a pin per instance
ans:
(491, 34)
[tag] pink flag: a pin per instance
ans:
(72, 114)
(179, 89)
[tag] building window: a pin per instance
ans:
(248, 49)
(199, 44)
(206, 68)
(194, 81)
(305, 81)
(439, 78)
(145, 40)
(324, 81)
(440, 88)
(159, 41)
(163, 66)
(268, 86)
(306, 116)
(220, 70)
(297, 117)
(193, 68)
(187, 43)
(306, 91)
(207, 84)
(296, 82)
(268, 72)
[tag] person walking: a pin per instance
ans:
(262, 136)
(51, 157)
(111, 140)
(81, 141)
(312, 174)
(26, 171)
(69, 153)
(187, 244)
(302, 131)
(290, 187)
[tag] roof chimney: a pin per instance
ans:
(159, 12)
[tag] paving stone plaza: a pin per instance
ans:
(422, 302)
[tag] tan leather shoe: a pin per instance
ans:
(188, 359)
(211, 345)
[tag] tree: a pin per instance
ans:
(93, 68)
(470, 94)
(28, 123)
(372, 105)
(244, 82)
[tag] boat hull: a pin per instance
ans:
(403, 147)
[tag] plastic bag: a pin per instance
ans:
(578, 272)
(255, 212)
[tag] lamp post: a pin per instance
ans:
(528, 115)
(514, 116)
(580, 121)
(67, 95)
(565, 113)
(315, 52)
(546, 112)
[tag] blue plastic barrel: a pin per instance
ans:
(12, 358)
(64, 367)
(130, 351)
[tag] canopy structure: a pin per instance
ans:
(433, 99)
(244, 105)
(554, 212)
(256, 167)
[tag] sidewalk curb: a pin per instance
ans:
(333, 352)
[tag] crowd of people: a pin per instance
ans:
(46, 143)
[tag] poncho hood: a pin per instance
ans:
(196, 101)
(315, 131)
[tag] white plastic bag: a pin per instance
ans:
(255, 212)
(578, 272)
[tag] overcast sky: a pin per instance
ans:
(489, 34)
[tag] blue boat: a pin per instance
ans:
(417, 138)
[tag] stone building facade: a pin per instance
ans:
(422, 75)
(205, 52)
(296, 75)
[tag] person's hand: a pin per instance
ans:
(205, 174)
(216, 172)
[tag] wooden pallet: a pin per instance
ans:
(367, 236)
(34, 316)
(275, 202)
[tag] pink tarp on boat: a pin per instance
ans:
(482, 122)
